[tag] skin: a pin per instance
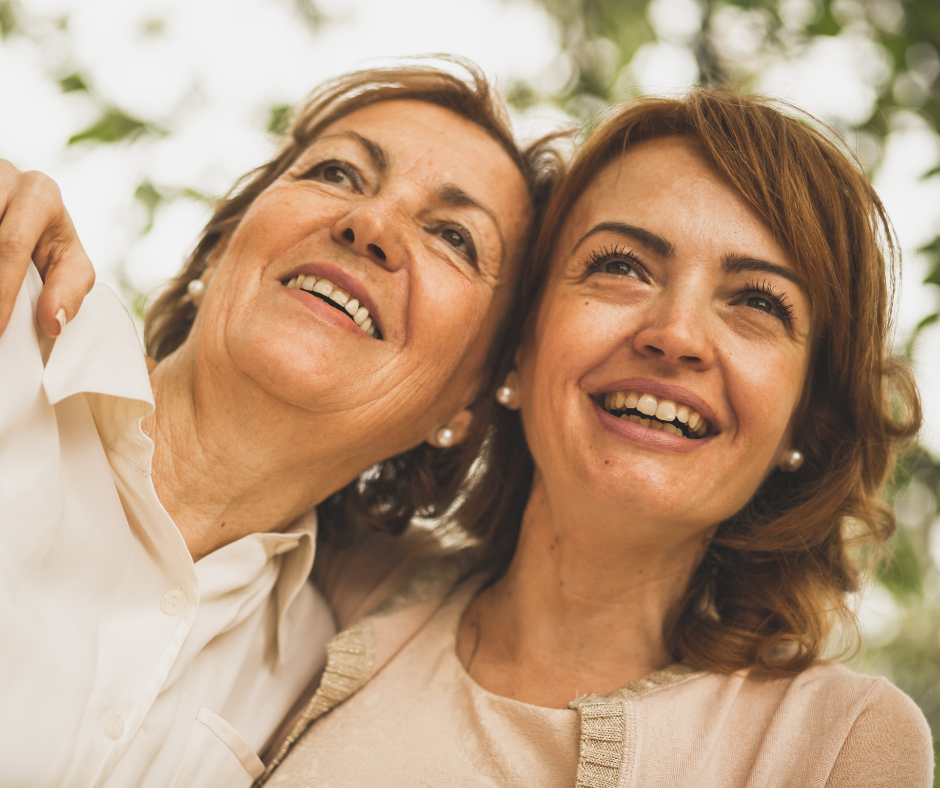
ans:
(618, 520)
(326, 401)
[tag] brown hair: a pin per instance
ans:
(424, 480)
(775, 572)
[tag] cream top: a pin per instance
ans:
(423, 721)
(417, 719)
(123, 663)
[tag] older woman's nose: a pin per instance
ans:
(368, 233)
(675, 333)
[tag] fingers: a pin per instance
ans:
(35, 225)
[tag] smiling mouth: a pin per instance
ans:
(339, 299)
(657, 414)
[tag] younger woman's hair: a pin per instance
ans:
(778, 572)
(425, 480)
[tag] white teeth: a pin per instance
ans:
(361, 316)
(667, 415)
(340, 296)
(307, 283)
(666, 410)
(366, 325)
(352, 306)
(293, 283)
(323, 287)
(646, 404)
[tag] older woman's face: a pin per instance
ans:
(408, 209)
(671, 347)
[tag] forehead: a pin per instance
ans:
(667, 186)
(428, 145)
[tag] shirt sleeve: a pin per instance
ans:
(889, 745)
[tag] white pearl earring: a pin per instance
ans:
(791, 461)
(196, 289)
(505, 395)
(444, 437)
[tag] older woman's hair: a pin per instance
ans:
(424, 481)
(778, 572)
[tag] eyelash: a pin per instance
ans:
(607, 254)
(765, 290)
(351, 172)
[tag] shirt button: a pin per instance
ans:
(112, 724)
(173, 602)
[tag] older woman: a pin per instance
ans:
(337, 312)
(710, 409)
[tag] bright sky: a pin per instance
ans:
(208, 70)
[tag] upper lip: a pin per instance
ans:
(341, 278)
(662, 390)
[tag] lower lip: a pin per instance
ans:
(325, 311)
(647, 436)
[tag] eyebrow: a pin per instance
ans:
(376, 152)
(651, 241)
(451, 194)
(735, 264)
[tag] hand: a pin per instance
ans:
(35, 225)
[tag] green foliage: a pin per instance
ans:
(279, 119)
(114, 125)
(9, 18)
(72, 83)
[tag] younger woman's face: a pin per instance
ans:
(671, 346)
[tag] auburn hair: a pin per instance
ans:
(777, 574)
(424, 480)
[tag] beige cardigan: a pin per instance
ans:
(825, 727)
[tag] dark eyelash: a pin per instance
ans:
(350, 171)
(766, 290)
(600, 257)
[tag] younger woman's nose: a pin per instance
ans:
(675, 332)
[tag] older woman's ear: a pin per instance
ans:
(453, 432)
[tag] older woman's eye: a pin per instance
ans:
(338, 173)
(458, 238)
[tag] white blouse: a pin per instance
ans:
(123, 663)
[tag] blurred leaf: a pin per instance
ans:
(9, 18)
(72, 83)
(930, 173)
(902, 574)
(279, 119)
(114, 126)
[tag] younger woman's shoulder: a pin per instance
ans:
(887, 741)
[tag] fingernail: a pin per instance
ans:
(60, 317)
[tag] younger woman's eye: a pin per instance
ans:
(614, 260)
(761, 296)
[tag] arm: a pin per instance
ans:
(35, 225)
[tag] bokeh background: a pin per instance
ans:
(146, 110)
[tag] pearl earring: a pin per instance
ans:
(791, 461)
(196, 289)
(444, 437)
(506, 394)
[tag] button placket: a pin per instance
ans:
(112, 724)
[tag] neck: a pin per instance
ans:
(221, 475)
(583, 606)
